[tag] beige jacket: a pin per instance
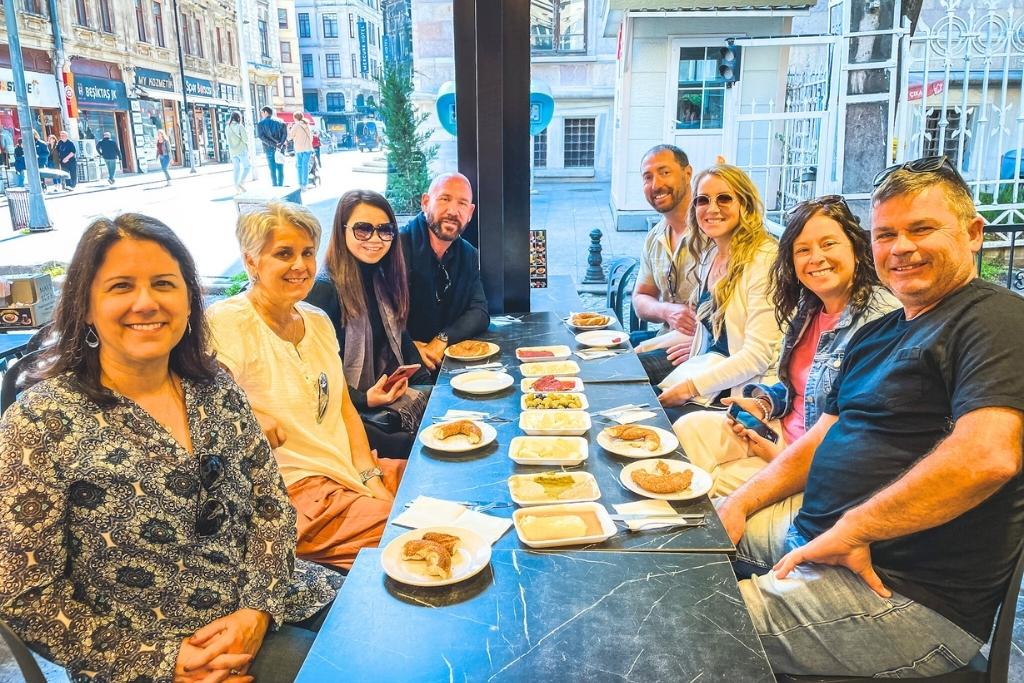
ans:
(301, 136)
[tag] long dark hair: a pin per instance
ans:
(190, 358)
(343, 267)
(788, 294)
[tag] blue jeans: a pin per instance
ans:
(824, 620)
(165, 161)
(302, 166)
(276, 170)
(19, 179)
(241, 164)
(111, 168)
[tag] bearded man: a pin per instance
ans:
(446, 297)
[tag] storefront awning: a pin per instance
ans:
(214, 102)
(701, 5)
(153, 94)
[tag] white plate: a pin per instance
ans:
(700, 485)
(585, 478)
(561, 367)
(576, 450)
(583, 400)
(458, 443)
(601, 338)
(669, 443)
(472, 555)
(607, 525)
(526, 384)
(558, 352)
(610, 318)
(482, 381)
(530, 421)
(492, 349)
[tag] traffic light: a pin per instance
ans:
(729, 64)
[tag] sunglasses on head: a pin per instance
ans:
(819, 202)
(939, 164)
(212, 512)
(364, 231)
(721, 200)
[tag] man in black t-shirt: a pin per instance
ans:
(885, 536)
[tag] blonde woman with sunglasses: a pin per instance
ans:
(736, 337)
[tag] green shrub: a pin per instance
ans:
(238, 281)
(409, 153)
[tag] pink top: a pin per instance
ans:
(793, 426)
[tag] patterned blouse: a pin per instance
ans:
(101, 568)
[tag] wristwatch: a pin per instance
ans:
(443, 336)
(367, 475)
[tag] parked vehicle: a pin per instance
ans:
(369, 136)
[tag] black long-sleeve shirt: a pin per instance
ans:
(461, 311)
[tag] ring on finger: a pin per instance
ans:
(234, 672)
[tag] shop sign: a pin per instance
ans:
(42, 89)
(364, 50)
(100, 93)
(156, 80)
(198, 87)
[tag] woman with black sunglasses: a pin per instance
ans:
(146, 533)
(824, 288)
(364, 290)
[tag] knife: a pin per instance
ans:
(657, 515)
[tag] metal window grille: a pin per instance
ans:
(540, 149)
(579, 143)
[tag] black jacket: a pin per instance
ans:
(324, 296)
(464, 313)
(272, 133)
(108, 149)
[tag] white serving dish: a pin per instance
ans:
(579, 479)
(669, 443)
(492, 349)
(584, 404)
(602, 338)
(577, 450)
(482, 381)
(535, 422)
(607, 525)
(558, 352)
(609, 320)
(700, 484)
(526, 384)
(471, 556)
(561, 367)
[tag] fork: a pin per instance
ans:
(662, 526)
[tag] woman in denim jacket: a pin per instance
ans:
(824, 287)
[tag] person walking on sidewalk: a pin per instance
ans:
(109, 151)
(19, 165)
(273, 134)
(66, 152)
(238, 149)
(163, 153)
(301, 136)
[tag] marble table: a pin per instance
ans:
(533, 616)
(482, 474)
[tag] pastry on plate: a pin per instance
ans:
(588, 319)
(448, 541)
(642, 437)
(470, 348)
(438, 559)
(662, 480)
(464, 427)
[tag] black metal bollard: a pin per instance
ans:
(595, 274)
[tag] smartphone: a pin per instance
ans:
(401, 372)
(751, 422)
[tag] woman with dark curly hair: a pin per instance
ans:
(145, 532)
(824, 287)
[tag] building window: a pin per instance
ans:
(335, 101)
(310, 101)
(231, 48)
(106, 16)
(540, 149)
(700, 98)
(282, 18)
(34, 6)
(140, 21)
(303, 25)
(307, 66)
(951, 144)
(186, 35)
(286, 52)
(330, 26)
(333, 65)
(351, 25)
(579, 143)
(264, 38)
(199, 38)
(81, 13)
(355, 67)
(558, 25)
(288, 85)
(158, 23)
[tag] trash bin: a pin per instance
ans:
(1008, 168)
(17, 202)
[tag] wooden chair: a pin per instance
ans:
(993, 669)
(29, 669)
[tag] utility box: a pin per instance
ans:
(27, 301)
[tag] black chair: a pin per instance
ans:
(29, 669)
(621, 277)
(15, 380)
(994, 669)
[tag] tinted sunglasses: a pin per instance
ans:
(322, 397)
(939, 164)
(364, 231)
(442, 284)
(721, 200)
(212, 512)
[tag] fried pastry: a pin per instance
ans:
(663, 480)
(470, 347)
(637, 436)
(438, 559)
(447, 541)
(464, 427)
(588, 319)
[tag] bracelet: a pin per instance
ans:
(766, 406)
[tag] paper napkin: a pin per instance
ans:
(656, 507)
(425, 512)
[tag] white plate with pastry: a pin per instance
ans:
(601, 338)
(551, 383)
(665, 479)
(548, 450)
(458, 436)
(552, 526)
(540, 354)
(435, 556)
(482, 381)
(637, 441)
(558, 367)
(553, 486)
(471, 349)
(590, 321)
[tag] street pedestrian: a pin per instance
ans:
(316, 144)
(238, 149)
(19, 165)
(302, 137)
(109, 151)
(54, 156)
(66, 152)
(273, 134)
(163, 153)
(42, 156)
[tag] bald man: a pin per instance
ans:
(446, 298)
